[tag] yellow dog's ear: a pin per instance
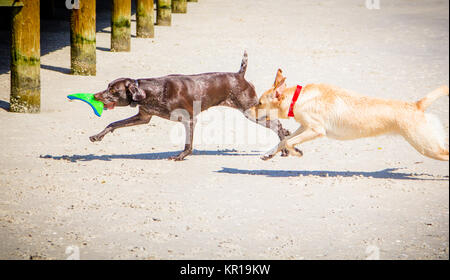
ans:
(278, 91)
(278, 78)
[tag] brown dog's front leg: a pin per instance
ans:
(273, 125)
(189, 127)
(282, 133)
(140, 118)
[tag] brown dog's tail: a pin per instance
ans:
(244, 64)
(423, 103)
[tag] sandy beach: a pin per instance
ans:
(122, 199)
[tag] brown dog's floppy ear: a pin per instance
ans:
(137, 94)
(278, 78)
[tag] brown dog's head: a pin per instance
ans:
(270, 100)
(120, 92)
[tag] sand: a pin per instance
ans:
(62, 196)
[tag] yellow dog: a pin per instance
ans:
(324, 110)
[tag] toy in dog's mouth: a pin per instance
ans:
(89, 98)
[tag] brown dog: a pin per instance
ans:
(324, 110)
(164, 96)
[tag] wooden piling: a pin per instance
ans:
(179, 6)
(121, 26)
(145, 19)
(164, 12)
(25, 58)
(82, 39)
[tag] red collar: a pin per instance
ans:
(294, 99)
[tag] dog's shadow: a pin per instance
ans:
(382, 174)
(144, 156)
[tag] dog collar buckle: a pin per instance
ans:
(294, 100)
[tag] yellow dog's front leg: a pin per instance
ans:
(270, 154)
(302, 135)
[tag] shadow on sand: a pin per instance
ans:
(56, 68)
(55, 30)
(382, 174)
(144, 156)
(389, 173)
(4, 105)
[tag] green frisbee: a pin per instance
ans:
(96, 105)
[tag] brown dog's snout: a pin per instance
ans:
(98, 96)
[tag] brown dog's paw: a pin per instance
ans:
(286, 132)
(179, 157)
(284, 152)
(299, 152)
(267, 157)
(176, 158)
(96, 138)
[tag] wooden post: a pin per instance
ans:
(164, 11)
(144, 19)
(179, 6)
(25, 58)
(82, 39)
(121, 26)
(52, 8)
(48, 10)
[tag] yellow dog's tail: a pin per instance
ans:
(423, 103)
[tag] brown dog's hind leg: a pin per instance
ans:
(140, 118)
(189, 128)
